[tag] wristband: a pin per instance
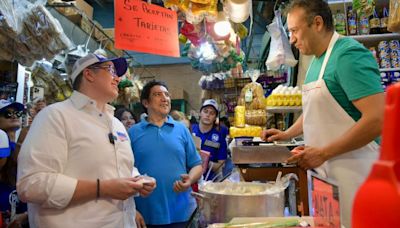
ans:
(98, 189)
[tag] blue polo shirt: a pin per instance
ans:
(164, 153)
(217, 147)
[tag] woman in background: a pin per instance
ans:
(126, 116)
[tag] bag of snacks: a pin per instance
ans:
(252, 94)
(256, 117)
(394, 16)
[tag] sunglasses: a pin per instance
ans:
(10, 114)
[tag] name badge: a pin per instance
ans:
(122, 136)
(212, 144)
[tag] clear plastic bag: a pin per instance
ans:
(280, 52)
(28, 32)
(394, 16)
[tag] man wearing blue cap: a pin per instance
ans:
(212, 139)
(76, 166)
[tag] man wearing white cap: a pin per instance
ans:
(76, 166)
(212, 139)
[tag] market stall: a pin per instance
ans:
(39, 44)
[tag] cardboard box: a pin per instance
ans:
(109, 44)
(109, 32)
(98, 32)
(178, 93)
(75, 14)
(86, 25)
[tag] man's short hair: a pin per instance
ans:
(145, 95)
(312, 9)
(77, 82)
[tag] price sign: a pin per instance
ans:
(324, 197)
(144, 27)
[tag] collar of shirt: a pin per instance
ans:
(80, 100)
(169, 121)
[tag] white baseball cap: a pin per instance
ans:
(210, 102)
(4, 145)
(6, 103)
(120, 64)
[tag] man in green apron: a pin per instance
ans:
(343, 103)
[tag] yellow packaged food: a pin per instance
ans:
(256, 117)
(249, 131)
(201, 1)
(239, 116)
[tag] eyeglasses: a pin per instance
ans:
(109, 68)
(10, 114)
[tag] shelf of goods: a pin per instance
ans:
(385, 47)
(389, 69)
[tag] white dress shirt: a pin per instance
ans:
(69, 141)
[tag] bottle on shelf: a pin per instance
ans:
(351, 21)
(384, 20)
(374, 24)
(363, 24)
(340, 23)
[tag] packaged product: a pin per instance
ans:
(256, 117)
(239, 116)
(252, 94)
(250, 131)
(384, 21)
(374, 24)
(394, 16)
(280, 52)
(340, 23)
(363, 24)
(351, 21)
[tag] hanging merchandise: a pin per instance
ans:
(212, 57)
(238, 10)
(129, 90)
(54, 86)
(280, 52)
(252, 98)
(73, 56)
(31, 34)
(365, 7)
(213, 81)
(394, 16)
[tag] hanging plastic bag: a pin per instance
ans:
(394, 16)
(365, 7)
(280, 52)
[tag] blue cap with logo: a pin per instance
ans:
(4, 104)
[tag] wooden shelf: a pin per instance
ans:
(376, 37)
